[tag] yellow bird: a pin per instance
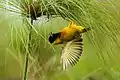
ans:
(71, 38)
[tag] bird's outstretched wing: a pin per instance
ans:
(71, 52)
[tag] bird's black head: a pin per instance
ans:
(53, 37)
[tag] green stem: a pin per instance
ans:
(28, 52)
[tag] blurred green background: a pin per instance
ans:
(90, 67)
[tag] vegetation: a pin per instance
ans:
(29, 55)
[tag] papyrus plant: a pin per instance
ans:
(88, 13)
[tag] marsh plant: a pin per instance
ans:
(40, 60)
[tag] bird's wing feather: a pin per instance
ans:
(71, 52)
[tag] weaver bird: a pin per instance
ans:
(71, 38)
